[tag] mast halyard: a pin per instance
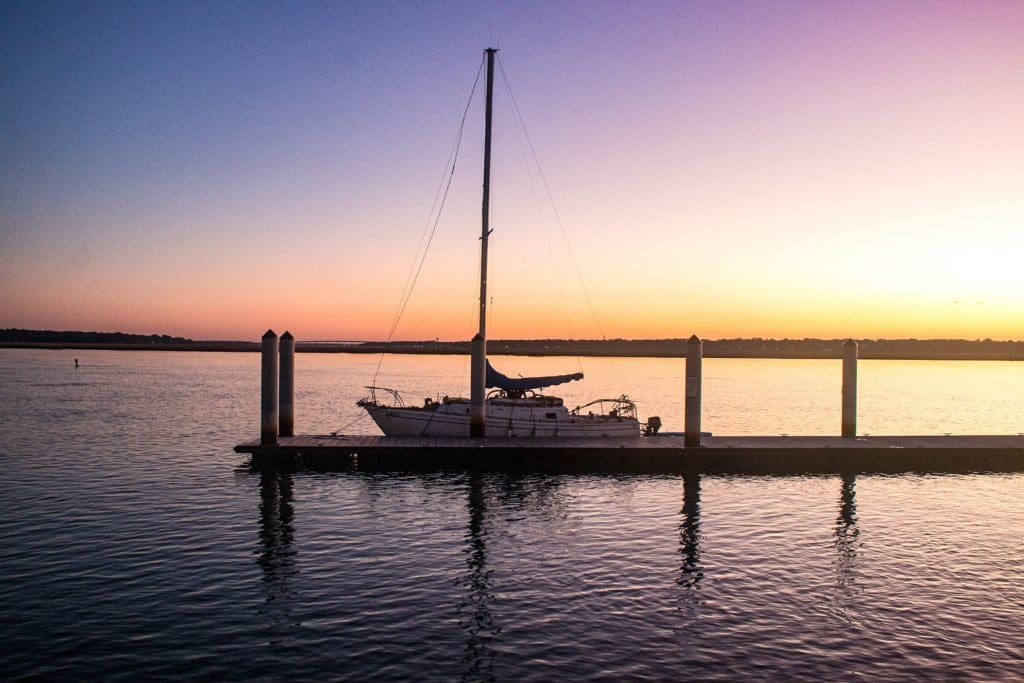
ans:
(478, 358)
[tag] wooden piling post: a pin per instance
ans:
(268, 390)
(849, 389)
(694, 354)
(478, 387)
(287, 390)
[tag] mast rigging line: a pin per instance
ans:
(520, 128)
(554, 210)
(421, 250)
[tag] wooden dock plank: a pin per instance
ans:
(717, 454)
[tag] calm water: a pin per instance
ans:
(134, 543)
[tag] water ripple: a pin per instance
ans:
(135, 545)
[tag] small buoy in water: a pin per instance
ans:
(76, 362)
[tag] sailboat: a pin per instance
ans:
(512, 407)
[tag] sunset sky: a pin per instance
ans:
(775, 169)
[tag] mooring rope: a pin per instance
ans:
(340, 430)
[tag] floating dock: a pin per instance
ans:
(751, 455)
(694, 452)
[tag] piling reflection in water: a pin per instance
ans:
(277, 554)
(475, 615)
(690, 572)
(846, 542)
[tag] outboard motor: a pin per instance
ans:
(652, 426)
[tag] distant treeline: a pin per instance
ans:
(68, 337)
(926, 349)
(922, 349)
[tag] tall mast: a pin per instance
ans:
(485, 223)
(478, 357)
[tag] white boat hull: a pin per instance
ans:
(452, 419)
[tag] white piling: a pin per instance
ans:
(268, 390)
(478, 387)
(694, 354)
(287, 390)
(849, 389)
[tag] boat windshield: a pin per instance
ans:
(611, 407)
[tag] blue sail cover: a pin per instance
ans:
(499, 381)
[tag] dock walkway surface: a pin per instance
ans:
(654, 455)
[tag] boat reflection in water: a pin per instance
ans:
(492, 514)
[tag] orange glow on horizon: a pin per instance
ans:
(821, 171)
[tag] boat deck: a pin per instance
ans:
(659, 454)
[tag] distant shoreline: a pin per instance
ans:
(810, 349)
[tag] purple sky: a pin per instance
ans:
(730, 169)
